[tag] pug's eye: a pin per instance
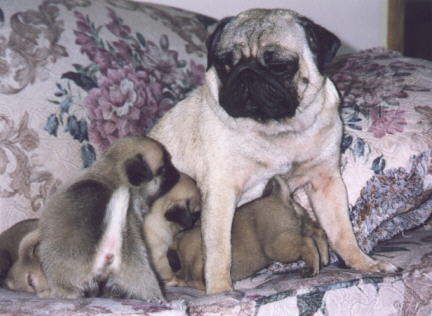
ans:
(280, 66)
(268, 56)
(227, 61)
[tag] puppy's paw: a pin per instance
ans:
(309, 272)
(44, 293)
(59, 293)
(175, 282)
(325, 260)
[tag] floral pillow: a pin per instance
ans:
(387, 145)
(76, 75)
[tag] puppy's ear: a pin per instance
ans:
(213, 40)
(180, 216)
(277, 187)
(28, 246)
(170, 175)
(137, 170)
(173, 260)
(323, 43)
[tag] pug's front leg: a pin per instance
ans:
(328, 196)
(217, 216)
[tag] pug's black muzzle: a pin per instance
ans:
(251, 90)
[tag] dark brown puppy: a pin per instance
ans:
(271, 228)
(9, 243)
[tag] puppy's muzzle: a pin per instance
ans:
(259, 92)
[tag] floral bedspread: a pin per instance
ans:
(77, 74)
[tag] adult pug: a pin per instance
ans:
(265, 109)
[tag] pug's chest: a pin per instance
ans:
(275, 157)
(253, 174)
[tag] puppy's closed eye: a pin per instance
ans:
(180, 216)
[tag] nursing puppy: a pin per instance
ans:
(91, 231)
(270, 228)
(26, 273)
(265, 108)
(9, 243)
(176, 210)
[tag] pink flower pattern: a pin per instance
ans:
(122, 105)
(136, 82)
(386, 122)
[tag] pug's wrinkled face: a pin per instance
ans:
(266, 60)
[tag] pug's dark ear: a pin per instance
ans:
(323, 43)
(213, 40)
(137, 170)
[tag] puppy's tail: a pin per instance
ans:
(108, 254)
(277, 186)
(284, 191)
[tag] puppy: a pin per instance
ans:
(91, 231)
(26, 273)
(270, 228)
(265, 108)
(9, 243)
(176, 210)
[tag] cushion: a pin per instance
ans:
(387, 145)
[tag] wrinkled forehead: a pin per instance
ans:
(258, 28)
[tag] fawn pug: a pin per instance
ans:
(266, 108)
